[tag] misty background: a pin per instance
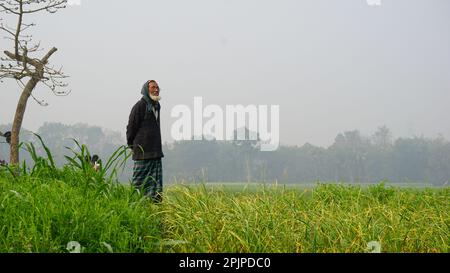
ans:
(332, 67)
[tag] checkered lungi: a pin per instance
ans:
(148, 176)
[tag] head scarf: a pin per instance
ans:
(150, 103)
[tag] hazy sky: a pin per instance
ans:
(331, 65)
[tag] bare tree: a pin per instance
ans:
(21, 65)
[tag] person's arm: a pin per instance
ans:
(134, 122)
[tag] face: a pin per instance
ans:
(153, 88)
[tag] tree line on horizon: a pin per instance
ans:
(352, 158)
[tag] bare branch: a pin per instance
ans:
(26, 26)
(6, 29)
(40, 102)
(44, 60)
(34, 62)
(18, 29)
(52, 8)
(6, 9)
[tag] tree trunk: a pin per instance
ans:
(18, 118)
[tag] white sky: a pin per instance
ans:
(331, 65)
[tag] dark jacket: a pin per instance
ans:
(144, 133)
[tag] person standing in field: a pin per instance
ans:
(144, 138)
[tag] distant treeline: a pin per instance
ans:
(351, 158)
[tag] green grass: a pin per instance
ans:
(45, 208)
(43, 215)
(39, 215)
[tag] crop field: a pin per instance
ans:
(47, 212)
(77, 209)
